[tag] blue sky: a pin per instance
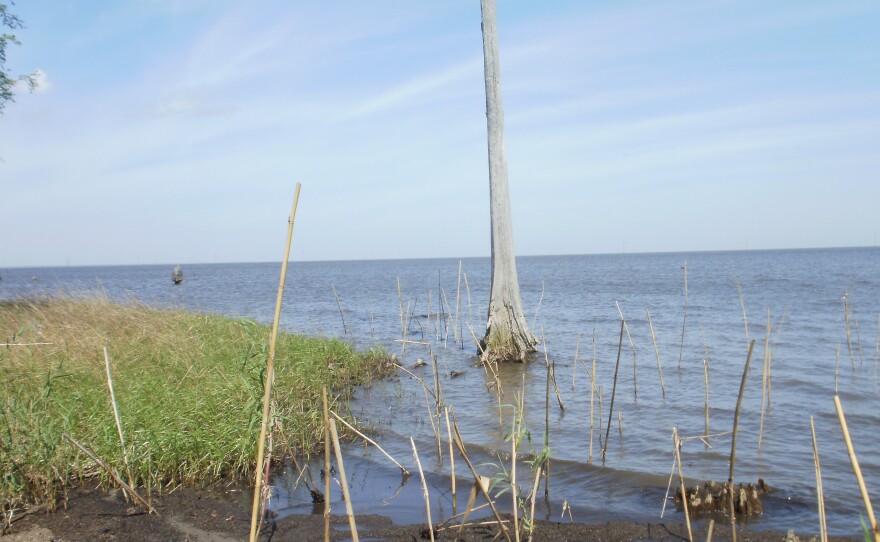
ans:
(175, 130)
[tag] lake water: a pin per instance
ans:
(572, 304)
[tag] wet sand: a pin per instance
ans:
(222, 515)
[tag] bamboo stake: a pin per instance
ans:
(613, 391)
(687, 516)
(371, 441)
(116, 417)
(684, 320)
(341, 313)
(112, 472)
(820, 494)
(657, 353)
(742, 387)
(712, 528)
(424, 489)
(858, 471)
(348, 509)
(326, 465)
(270, 369)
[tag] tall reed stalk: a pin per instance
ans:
(657, 353)
(742, 388)
(858, 471)
(424, 489)
(270, 369)
(613, 391)
(343, 480)
(820, 494)
(116, 417)
(684, 319)
(742, 303)
(632, 345)
(765, 379)
(341, 312)
(687, 517)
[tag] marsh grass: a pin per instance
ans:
(189, 388)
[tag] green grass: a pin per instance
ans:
(189, 388)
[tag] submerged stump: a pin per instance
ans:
(712, 498)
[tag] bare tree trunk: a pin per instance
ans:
(507, 333)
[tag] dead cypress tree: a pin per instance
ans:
(507, 334)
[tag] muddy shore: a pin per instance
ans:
(202, 515)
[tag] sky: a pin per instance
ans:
(175, 131)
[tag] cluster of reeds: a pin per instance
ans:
(186, 388)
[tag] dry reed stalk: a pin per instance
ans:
(468, 288)
(326, 464)
(684, 320)
(712, 528)
(858, 471)
(742, 303)
(341, 313)
(445, 300)
(620, 423)
(687, 516)
(742, 387)
(656, 353)
(371, 441)
(438, 399)
(820, 494)
(513, 492)
(846, 313)
(836, 367)
(765, 379)
(460, 445)
(538, 310)
(633, 346)
(533, 497)
(344, 482)
(592, 395)
(613, 391)
(599, 396)
(118, 420)
(270, 368)
(451, 456)
(458, 329)
(424, 489)
(112, 472)
(552, 369)
(706, 409)
(434, 427)
(547, 430)
(574, 365)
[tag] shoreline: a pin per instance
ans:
(89, 513)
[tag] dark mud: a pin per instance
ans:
(220, 514)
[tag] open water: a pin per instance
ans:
(810, 297)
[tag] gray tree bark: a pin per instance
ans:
(507, 333)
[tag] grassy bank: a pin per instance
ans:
(188, 387)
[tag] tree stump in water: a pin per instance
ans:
(712, 497)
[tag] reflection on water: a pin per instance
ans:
(570, 302)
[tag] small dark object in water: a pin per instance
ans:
(712, 497)
(454, 374)
(420, 362)
(177, 275)
(317, 496)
